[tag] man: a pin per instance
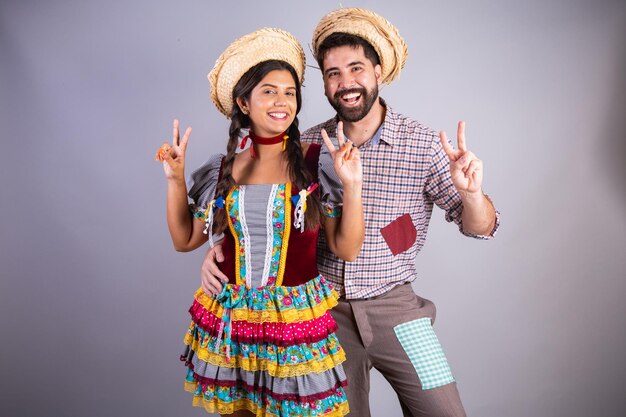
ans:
(406, 169)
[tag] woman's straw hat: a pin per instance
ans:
(373, 28)
(259, 46)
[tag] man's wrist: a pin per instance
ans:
(472, 197)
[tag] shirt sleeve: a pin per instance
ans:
(331, 190)
(202, 185)
(440, 190)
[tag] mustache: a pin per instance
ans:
(339, 93)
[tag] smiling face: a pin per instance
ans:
(272, 105)
(350, 82)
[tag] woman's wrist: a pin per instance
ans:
(176, 180)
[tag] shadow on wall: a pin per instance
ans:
(613, 148)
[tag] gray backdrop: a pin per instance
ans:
(93, 297)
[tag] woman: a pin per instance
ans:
(265, 345)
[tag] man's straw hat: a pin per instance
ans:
(373, 28)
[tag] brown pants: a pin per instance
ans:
(368, 338)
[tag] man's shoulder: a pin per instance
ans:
(312, 134)
(409, 127)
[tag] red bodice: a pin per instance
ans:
(301, 260)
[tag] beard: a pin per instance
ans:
(354, 114)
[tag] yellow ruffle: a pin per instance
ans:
(217, 406)
(291, 315)
(256, 364)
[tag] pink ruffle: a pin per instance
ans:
(280, 334)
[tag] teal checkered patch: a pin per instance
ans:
(420, 343)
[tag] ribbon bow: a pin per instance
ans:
(300, 201)
(208, 217)
(231, 297)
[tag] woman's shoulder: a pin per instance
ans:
(313, 148)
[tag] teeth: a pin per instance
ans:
(350, 96)
(278, 115)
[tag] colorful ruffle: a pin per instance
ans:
(302, 388)
(271, 304)
(280, 357)
(280, 334)
(227, 400)
(281, 361)
(332, 211)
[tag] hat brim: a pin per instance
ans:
(259, 46)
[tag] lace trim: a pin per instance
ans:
(216, 406)
(274, 369)
(269, 246)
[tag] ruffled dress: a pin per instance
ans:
(266, 343)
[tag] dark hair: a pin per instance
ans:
(298, 172)
(338, 39)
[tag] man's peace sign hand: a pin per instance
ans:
(466, 169)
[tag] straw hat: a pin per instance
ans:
(375, 29)
(259, 46)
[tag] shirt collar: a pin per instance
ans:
(386, 132)
(376, 138)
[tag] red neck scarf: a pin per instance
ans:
(259, 140)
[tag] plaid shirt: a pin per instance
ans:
(405, 171)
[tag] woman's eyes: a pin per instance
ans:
(288, 93)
